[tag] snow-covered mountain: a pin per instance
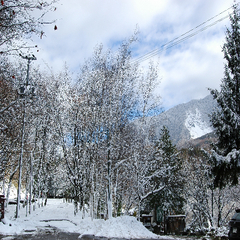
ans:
(196, 125)
(186, 121)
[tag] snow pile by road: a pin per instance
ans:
(121, 227)
(60, 215)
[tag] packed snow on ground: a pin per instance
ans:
(58, 213)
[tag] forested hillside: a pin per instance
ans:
(186, 121)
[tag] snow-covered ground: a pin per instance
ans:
(59, 214)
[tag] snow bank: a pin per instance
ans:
(59, 214)
(120, 227)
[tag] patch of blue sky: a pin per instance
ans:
(137, 113)
(174, 47)
(155, 111)
(152, 47)
(68, 139)
(115, 44)
(87, 137)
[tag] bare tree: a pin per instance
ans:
(20, 19)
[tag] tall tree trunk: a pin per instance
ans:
(109, 192)
(20, 160)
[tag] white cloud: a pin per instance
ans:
(187, 70)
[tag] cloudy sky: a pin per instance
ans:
(187, 70)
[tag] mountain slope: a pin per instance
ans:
(185, 121)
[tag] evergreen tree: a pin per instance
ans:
(167, 165)
(226, 118)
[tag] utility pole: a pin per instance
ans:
(29, 59)
(23, 94)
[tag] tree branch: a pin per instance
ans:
(151, 193)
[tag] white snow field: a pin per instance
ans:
(196, 126)
(59, 214)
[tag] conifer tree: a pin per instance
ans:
(226, 118)
(167, 171)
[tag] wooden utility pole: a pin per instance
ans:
(24, 94)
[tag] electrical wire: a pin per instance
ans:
(181, 38)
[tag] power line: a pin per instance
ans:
(157, 51)
(174, 43)
(182, 37)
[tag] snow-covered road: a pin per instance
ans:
(57, 218)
